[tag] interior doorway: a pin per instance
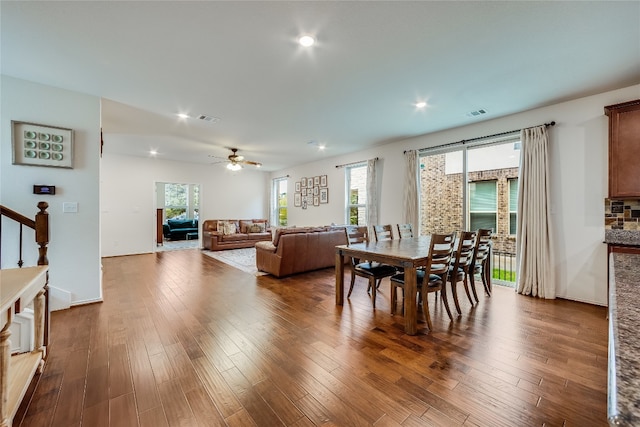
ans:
(177, 216)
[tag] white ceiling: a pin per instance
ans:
(239, 61)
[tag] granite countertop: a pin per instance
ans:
(624, 340)
(622, 237)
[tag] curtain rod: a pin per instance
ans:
(464, 141)
(354, 163)
(283, 176)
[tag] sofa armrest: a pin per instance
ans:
(210, 239)
(266, 246)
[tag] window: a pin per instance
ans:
(482, 205)
(279, 202)
(181, 201)
(356, 186)
(513, 205)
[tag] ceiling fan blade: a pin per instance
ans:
(249, 162)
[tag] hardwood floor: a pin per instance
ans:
(184, 340)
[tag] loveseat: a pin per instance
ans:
(177, 229)
(300, 249)
(220, 234)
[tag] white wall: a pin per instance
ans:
(74, 251)
(579, 144)
(128, 185)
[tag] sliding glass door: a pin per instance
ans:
(474, 187)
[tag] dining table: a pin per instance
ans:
(409, 253)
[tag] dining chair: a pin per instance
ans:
(373, 271)
(459, 266)
(383, 232)
(480, 258)
(432, 278)
(405, 231)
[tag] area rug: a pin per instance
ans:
(242, 259)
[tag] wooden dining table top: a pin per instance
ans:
(411, 252)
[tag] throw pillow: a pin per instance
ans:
(230, 228)
(258, 227)
(244, 226)
(220, 228)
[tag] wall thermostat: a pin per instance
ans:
(44, 189)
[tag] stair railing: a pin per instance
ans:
(40, 225)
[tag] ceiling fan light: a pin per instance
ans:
(234, 167)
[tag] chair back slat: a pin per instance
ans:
(483, 245)
(383, 232)
(440, 253)
(357, 234)
(465, 251)
(405, 231)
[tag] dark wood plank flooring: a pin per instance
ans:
(184, 340)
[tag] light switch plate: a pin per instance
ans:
(70, 207)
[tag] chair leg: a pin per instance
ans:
(445, 300)
(466, 289)
(372, 285)
(353, 281)
(393, 297)
(473, 286)
(425, 309)
(454, 292)
(485, 279)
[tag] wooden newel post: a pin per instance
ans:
(42, 232)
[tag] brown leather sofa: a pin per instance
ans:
(300, 249)
(246, 233)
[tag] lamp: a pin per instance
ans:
(234, 166)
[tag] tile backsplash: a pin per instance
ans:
(622, 214)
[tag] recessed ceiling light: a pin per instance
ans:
(183, 115)
(420, 105)
(153, 152)
(306, 41)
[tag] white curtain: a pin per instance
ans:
(535, 269)
(372, 193)
(411, 201)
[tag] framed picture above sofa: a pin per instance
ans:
(311, 191)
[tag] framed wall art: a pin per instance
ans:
(297, 200)
(41, 145)
(324, 195)
(323, 180)
(297, 186)
(316, 201)
(316, 181)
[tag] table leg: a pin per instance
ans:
(339, 279)
(411, 291)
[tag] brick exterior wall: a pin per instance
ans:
(441, 200)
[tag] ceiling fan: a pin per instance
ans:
(235, 161)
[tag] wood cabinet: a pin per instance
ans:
(624, 149)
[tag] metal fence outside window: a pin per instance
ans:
(504, 268)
